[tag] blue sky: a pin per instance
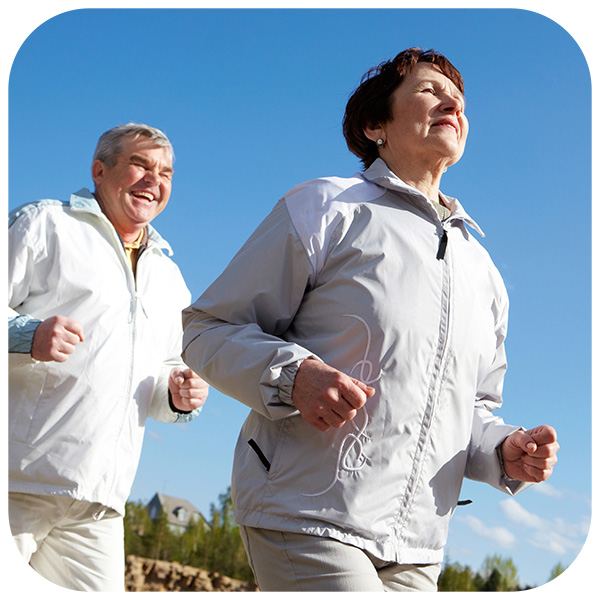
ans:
(252, 101)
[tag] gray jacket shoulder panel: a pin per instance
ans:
(316, 208)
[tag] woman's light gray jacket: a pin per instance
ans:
(354, 272)
(76, 427)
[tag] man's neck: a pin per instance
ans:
(128, 236)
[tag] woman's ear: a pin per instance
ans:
(374, 133)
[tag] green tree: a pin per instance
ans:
(556, 571)
(493, 583)
(216, 545)
(159, 541)
(456, 578)
(225, 551)
(499, 574)
(192, 544)
(136, 523)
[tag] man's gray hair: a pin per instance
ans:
(110, 144)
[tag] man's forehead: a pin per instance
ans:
(142, 142)
(144, 147)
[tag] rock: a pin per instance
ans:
(149, 575)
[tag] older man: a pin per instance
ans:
(94, 348)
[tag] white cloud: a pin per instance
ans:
(154, 435)
(546, 489)
(500, 535)
(550, 542)
(517, 514)
(554, 536)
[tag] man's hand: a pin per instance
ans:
(55, 339)
(327, 397)
(188, 390)
(530, 455)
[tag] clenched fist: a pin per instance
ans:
(188, 390)
(530, 455)
(55, 339)
(326, 397)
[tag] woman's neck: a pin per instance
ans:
(424, 177)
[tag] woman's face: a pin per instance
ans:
(428, 123)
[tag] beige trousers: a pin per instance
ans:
(294, 562)
(77, 545)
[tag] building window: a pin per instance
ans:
(181, 514)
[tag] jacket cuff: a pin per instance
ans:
(286, 381)
(503, 474)
(182, 416)
(21, 330)
(174, 408)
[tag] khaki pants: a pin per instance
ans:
(77, 545)
(294, 562)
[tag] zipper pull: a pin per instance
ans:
(131, 310)
(138, 300)
(442, 247)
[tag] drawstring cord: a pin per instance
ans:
(343, 458)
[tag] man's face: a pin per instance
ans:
(137, 188)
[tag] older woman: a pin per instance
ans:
(364, 326)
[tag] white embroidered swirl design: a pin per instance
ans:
(354, 441)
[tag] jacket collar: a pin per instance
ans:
(380, 174)
(84, 200)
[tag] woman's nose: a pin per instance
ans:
(452, 105)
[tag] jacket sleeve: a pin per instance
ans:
(489, 430)
(21, 265)
(21, 329)
(234, 333)
(161, 407)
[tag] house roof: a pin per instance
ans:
(179, 511)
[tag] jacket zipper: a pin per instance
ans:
(434, 389)
(132, 286)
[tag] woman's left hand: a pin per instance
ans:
(530, 455)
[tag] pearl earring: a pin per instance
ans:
(380, 142)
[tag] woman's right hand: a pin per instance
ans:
(327, 397)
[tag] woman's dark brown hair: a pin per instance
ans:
(370, 104)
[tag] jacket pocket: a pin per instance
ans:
(45, 401)
(259, 453)
(27, 380)
(263, 440)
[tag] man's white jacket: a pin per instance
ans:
(362, 274)
(76, 428)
